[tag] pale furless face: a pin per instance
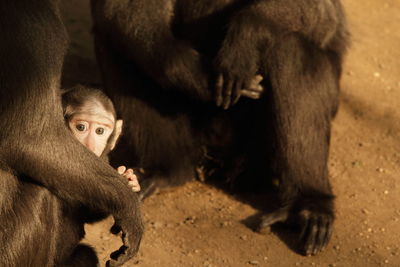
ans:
(92, 125)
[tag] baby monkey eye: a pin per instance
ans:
(80, 127)
(99, 131)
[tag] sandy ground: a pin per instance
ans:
(199, 225)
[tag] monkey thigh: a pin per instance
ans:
(29, 223)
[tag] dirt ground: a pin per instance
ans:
(199, 225)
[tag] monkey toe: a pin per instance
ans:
(316, 233)
(280, 215)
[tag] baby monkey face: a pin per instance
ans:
(92, 126)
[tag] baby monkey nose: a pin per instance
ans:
(90, 143)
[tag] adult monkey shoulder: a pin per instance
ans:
(298, 46)
(38, 173)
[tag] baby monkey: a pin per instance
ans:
(91, 117)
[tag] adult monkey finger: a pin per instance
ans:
(218, 92)
(255, 89)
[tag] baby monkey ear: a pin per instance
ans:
(116, 134)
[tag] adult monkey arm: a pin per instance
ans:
(34, 140)
(256, 27)
(145, 35)
(86, 181)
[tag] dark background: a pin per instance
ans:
(198, 225)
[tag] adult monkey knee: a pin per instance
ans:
(196, 54)
(39, 168)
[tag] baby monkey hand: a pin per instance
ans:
(131, 176)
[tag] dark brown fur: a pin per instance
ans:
(47, 178)
(160, 60)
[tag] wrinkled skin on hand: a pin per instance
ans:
(228, 93)
(315, 224)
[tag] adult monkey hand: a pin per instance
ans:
(232, 94)
(130, 241)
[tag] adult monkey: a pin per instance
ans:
(169, 62)
(46, 176)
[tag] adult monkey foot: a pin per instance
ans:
(316, 226)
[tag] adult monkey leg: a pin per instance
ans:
(34, 140)
(28, 213)
(304, 82)
(302, 45)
